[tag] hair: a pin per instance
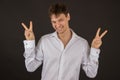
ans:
(57, 9)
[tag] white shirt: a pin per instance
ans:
(61, 63)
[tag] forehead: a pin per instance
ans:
(58, 16)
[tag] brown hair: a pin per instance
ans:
(57, 9)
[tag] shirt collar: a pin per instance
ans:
(74, 35)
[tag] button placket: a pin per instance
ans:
(61, 65)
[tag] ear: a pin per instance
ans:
(68, 15)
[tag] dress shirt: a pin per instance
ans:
(59, 62)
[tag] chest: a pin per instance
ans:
(54, 51)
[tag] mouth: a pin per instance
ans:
(60, 28)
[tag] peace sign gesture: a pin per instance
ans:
(29, 35)
(97, 41)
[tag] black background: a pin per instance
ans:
(86, 17)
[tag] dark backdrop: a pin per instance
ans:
(86, 17)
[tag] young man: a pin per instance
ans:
(62, 52)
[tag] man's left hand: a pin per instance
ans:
(97, 41)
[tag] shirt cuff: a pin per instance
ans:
(29, 43)
(94, 53)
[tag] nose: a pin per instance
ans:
(57, 25)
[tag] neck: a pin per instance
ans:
(65, 37)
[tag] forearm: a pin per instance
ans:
(31, 61)
(92, 63)
(32, 64)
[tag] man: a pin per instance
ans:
(62, 52)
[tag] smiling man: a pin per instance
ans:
(62, 52)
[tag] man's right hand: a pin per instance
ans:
(29, 35)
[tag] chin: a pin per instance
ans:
(60, 32)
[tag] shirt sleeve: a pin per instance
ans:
(33, 55)
(29, 46)
(94, 54)
(29, 43)
(90, 60)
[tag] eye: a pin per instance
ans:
(61, 20)
(53, 22)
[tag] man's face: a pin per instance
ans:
(60, 22)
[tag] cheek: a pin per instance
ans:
(53, 25)
(62, 23)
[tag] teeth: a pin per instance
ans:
(59, 28)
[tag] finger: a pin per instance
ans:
(98, 32)
(24, 26)
(31, 25)
(103, 34)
